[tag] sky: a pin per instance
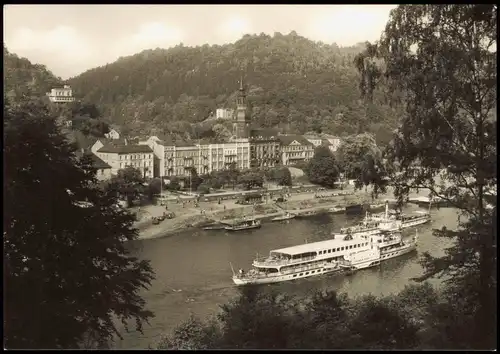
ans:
(70, 39)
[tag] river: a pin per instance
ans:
(193, 274)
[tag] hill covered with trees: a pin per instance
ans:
(21, 77)
(292, 82)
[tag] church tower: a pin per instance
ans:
(241, 122)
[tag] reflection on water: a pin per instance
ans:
(193, 273)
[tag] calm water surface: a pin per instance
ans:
(193, 273)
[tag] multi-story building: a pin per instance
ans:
(100, 142)
(295, 148)
(121, 156)
(237, 152)
(327, 140)
(264, 148)
(333, 140)
(103, 170)
(176, 158)
(224, 113)
(314, 139)
(61, 95)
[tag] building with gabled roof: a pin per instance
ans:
(295, 148)
(118, 157)
(103, 170)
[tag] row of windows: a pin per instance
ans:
(136, 164)
(307, 273)
(135, 156)
(343, 248)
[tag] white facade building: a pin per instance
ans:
(112, 134)
(118, 157)
(61, 95)
(224, 113)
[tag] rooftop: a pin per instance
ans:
(96, 161)
(125, 149)
(288, 139)
(313, 247)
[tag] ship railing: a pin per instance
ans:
(344, 263)
(273, 262)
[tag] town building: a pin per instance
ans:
(112, 134)
(103, 170)
(121, 156)
(295, 148)
(61, 95)
(224, 113)
(333, 140)
(316, 140)
(100, 142)
(330, 141)
(176, 158)
(264, 148)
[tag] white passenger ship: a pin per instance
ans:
(400, 220)
(369, 226)
(386, 245)
(302, 261)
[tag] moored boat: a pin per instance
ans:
(387, 245)
(246, 224)
(403, 221)
(285, 216)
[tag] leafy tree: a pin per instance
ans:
(361, 159)
(251, 179)
(322, 169)
(173, 184)
(221, 132)
(67, 274)
(192, 335)
(154, 187)
(204, 188)
(283, 176)
(327, 314)
(92, 127)
(376, 325)
(194, 180)
(128, 184)
(259, 320)
(232, 174)
(440, 62)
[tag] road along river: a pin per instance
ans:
(193, 275)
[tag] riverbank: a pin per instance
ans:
(228, 211)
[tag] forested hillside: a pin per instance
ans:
(23, 77)
(293, 83)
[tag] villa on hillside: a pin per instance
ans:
(61, 95)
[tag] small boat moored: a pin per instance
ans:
(245, 224)
(285, 216)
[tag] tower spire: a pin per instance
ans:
(241, 82)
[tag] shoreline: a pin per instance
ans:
(196, 221)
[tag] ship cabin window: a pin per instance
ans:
(320, 252)
(329, 251)
(304, 255)
(270, 270)
(342, 249)
(338, 249)
(280, 256)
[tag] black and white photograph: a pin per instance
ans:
(272, 177)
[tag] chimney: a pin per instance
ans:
(125, 141)
(82, 150)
